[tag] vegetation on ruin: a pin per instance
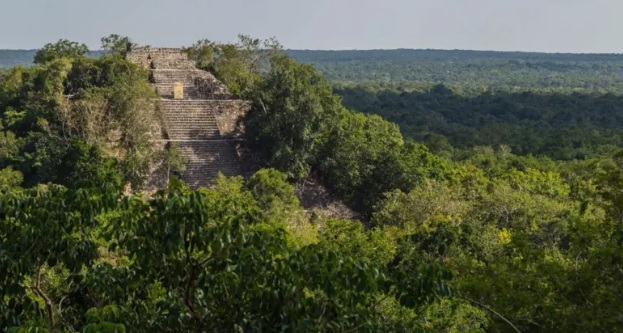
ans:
(459, 233)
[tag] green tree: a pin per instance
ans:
(239, 65)
(66, 104)
(61, 49)
(10, 179)
(290, 119)
(55, 226)
(117, 44)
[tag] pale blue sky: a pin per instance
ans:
(525, 25)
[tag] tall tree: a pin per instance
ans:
(61, 49)
(117, 44)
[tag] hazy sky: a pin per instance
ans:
(525, 25)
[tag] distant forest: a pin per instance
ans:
(593, 72)
(596, 72)
(12, 58)
(558, 125)
(564, 106)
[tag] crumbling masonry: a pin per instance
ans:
(200, 114)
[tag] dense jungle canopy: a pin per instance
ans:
(490, 196)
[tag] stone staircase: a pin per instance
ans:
(189, 120)
(202, 123)
(207, 158)
(197, 84)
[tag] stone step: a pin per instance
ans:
(206, 159)
(199, 131)
(202, 134)
(183, 137)
(178, 63)
(190, 119)
(166, 87)
(173, 76)
(189, 106)
(179, 126)
(166, 91)
(192, 103)
(193, 95)
(200, 107)
(183, 102)
(190, 124)
(182, 114)
(195, 82)
(191, 78)
(185, 120)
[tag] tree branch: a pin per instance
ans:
(48, 302)
(188, 297)
(480, 305)
(263, 106)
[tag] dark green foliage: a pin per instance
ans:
(61, 49)
(560, 125)
(290, 120)
(237, 65)
(85, 166)
(10, 179)
(488, 242)
(366, 157)
(117, 44)
(64, 119)
(298, 126)
(269, 186)
(196, 261)
(54, 227)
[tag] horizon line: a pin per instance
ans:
(398, 49)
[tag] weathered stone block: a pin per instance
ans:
(178, 90)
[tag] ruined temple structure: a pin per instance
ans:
(200, 114)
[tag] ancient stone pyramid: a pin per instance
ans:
(200, 114)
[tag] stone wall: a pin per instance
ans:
(164, 57)
(209, 84)
(229, 115)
